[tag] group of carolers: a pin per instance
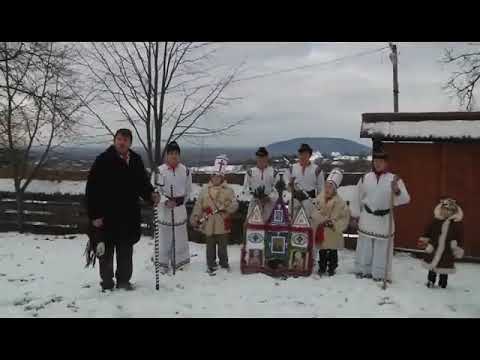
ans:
(378, 191)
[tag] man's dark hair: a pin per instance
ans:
(124, 132)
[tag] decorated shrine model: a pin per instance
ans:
(278, 247)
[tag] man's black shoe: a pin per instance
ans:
(125, 286)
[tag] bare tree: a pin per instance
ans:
(163, 90)
(37, 107)
(463, 81)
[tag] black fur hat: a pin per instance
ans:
(305, 148)
(173, 146)
(262, 151)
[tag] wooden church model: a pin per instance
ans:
(279, 246)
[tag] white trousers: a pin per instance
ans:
(371, 257)
(182, 249)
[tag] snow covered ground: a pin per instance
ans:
(43, 276)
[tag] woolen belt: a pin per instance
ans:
(376, 212)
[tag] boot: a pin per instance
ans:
(443, 281)
(332, 262)
(125, 286)
(107, 285)
(322, 261)
(432, 277)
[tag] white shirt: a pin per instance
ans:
(375, 193)
(180, 178)
(255, 177)
(309, 178)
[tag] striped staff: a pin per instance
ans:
(174, 262)
(156, 233)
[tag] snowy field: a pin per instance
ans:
(43, 276)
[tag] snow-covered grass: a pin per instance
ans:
(43, 276)
(47, 186)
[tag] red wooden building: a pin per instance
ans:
(437, 154)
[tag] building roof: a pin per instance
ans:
(436, 126)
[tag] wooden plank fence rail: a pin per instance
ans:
(62, 214)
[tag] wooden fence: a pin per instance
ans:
(61, 214)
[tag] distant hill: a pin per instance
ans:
(322, 144)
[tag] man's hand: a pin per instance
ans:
(155, 198)
(422, 243)
(98, 223)
(170, 204)
(100, 251)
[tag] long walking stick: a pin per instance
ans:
(156, 236)
(390, 240)
(174, 264)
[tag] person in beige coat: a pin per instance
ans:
(330, 218)
(212, 215)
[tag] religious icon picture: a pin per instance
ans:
(255, 257)
(278, 244)
(278, 216)
(297, 260)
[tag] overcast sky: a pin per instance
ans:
(326, 100)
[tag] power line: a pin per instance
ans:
(363, 53)
(253, 77)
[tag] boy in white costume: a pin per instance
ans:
(375, 190)
(173, 173)
(259, 182)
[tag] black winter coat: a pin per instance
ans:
(113, 191)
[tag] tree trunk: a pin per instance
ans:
(20, 214)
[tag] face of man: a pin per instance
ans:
(217, 180)
(380, 165)
(262, 162)
(122, 143)
(173, 158)
(329, 189)
(304, 156)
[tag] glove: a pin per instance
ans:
(100, 249)
(259, 193)
(299, 195)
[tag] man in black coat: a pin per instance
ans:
(116, 181)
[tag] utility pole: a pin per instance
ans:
(394, 60)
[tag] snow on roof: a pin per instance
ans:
(421, 126)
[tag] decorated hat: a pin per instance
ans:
(335, 177)
(305, 148)
(262, 151)
(449, 204)
(220, 165)
(173, 146)
(378, 152)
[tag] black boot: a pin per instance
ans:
(432, 277)
(443, 281)
(332, 262)
(107, 285)
(322, 261)
(125, 286)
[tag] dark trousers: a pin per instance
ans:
(212, 242)
(327, 258)
(124, 270)
(432, 276)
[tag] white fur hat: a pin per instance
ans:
(220, 166)
(335, 177)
